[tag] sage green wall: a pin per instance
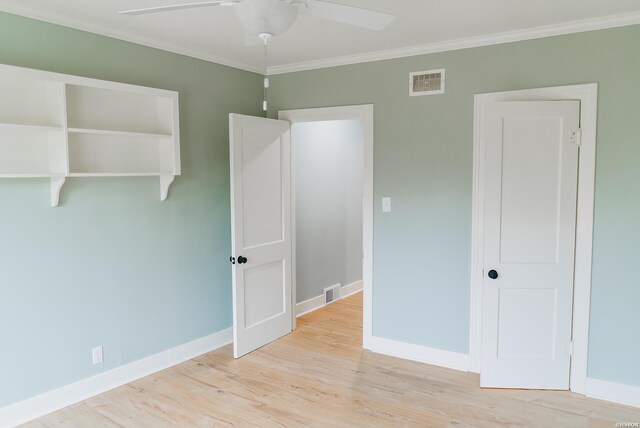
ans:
(113, 265)
(423, 160)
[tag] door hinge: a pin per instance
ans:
(571, 348)
(576, 137)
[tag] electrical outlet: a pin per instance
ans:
(98, 355)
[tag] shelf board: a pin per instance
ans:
(83, 174)
(30, 175)
(117, 133)
(118, 174)
(23, 127)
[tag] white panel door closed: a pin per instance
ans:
(260, 151)
(531, 181)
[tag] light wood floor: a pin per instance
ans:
(319, 376)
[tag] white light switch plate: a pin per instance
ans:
(386, 205)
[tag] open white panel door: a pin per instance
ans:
(260, 151)
(530, 226)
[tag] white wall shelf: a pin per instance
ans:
(117, 133)
(35, 175)
(57, 126)
(113, 174)
(21, 127)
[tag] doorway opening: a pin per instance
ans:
(262, 245)
(328, 184)
(332, 209)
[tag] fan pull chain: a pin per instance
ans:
(266, 38)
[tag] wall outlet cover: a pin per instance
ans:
(98, 355)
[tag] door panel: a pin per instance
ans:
(531, 167)
(261, 187)
(260, 283)
(530, 213)
(533, 303)
(260, 152)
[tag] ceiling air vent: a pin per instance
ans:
(426, 82)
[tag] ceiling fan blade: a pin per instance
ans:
(177, 7)
(359, 17)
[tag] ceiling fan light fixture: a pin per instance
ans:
(265, 37)
(266, 16)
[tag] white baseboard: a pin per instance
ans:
(422, 354)
(32, 408)
(310, 305)
(610, 391)
(615, 392)
(317, 302)
(350, 289)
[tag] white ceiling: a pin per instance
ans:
(420, 26)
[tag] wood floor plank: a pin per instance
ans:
(319, 376)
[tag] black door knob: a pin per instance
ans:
(232, 260)
(493, 274)
(242, 260)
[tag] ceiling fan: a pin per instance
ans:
(263, 19)
(267, 18)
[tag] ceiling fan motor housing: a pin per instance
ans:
(266, 16)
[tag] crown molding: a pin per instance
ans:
(16, 7)
(571, 27)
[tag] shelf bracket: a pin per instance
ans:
(165, 182)
(56, 186)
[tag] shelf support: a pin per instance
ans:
(56, 186)
(165, 182)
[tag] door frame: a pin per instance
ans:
(587, 94)
(363, 113)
